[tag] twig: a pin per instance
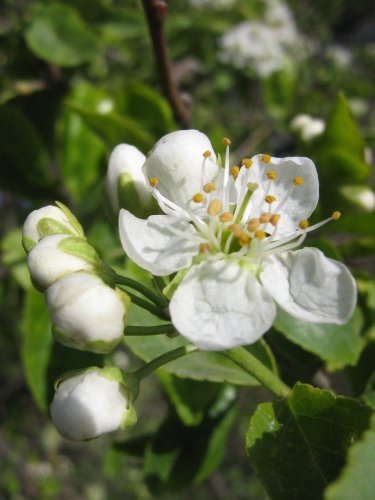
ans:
(156, 11)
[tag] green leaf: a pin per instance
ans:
(337, 345)
(357, 480)
(58, 35)
(23, 158)
(298, 445)
(189, 397)
(369, 393)
(208, 366)
(36, 345)
(14, 257)
(180, 455)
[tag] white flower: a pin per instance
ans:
(362, 196)
(236, 257)
(86, 313)
(57, 255)
(125, 182)
(307, 127)
(91, 403)
(47, 221)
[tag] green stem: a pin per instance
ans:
(252, 365)
(147, 305)
(146, 292)
(165, 358)
(149, 330)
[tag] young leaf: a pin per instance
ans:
(298, 445)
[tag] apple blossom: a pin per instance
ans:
(237, 257)
(86, 313)
(91, 403)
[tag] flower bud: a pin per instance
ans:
(307, 127)
(87, 314)
(92, 403)
(47, 221)
(57, 255)
(125, 183)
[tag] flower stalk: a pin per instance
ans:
(136, 330)
(159, 301)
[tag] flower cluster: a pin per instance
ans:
(231, 235)
(265, 45)
(87, 314)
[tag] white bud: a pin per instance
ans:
(92, 403)
(49, 260)
(47, 221)
(307, 127)
(87, 314)
(125, 183)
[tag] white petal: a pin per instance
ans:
(301, 201)
(176, 160)
(153, 245)
(220, 305)
(126, 159)
(309, 286)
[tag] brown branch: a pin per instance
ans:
(156, 12)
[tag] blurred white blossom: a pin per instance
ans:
(307, 127)
(214, 4)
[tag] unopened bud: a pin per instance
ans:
(92, 403)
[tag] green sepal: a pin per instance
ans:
(129, 198)
(77, 246)
(28, 243)
(97, 346)
(48, 226)
(130, 387)
(71, 218)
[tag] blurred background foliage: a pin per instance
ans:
(77, 78)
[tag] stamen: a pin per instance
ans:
(226, 217)
(226, 141)
(204, 248)
(209, 187)
(265, 217)
(244, 239)
(207, 154)
(241, 209)
(198, 198)
(298, 181)
(253, 225)
(154, 181)
(275, 219)
(270, 199)
(272, 175)
(215, 207)
(265, 158)
(247, 162)
(260, 235)
(236, 229)
(336, 215)
(235, 170)
(304, 224)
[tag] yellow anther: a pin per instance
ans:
(209, 187)
(336, 215)
(253, 225)
(265, 217)
(198, 198)
(275, 219)
(207, 154)
(154, 181)
(244, 239)
(298, 181)
(270, 199)
(247, 162)
(304, 224)
(215, 207)
(204, 247)
(235, 170)
(236, 229)
(226, 217)
(260, 235)
(226, 141)
(271, 174)
(265, 158)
